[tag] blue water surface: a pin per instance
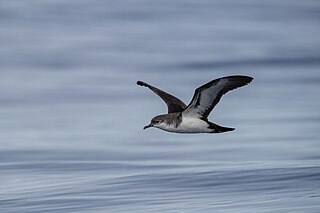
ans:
(71, 137)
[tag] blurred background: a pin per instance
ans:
(71, 137)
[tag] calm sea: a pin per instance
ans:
(71, 115)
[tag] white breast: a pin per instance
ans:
(188, 125)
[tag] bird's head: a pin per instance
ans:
(157, 121)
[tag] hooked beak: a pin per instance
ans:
(148, 126)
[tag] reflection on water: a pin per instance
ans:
(71, 137)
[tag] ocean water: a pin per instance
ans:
(71, 137)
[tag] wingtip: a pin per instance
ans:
(140, 83)
(242, 78)
(248, 79)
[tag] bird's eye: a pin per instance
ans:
(157, 122)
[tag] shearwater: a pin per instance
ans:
(194, 117)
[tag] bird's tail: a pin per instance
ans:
(218, 129)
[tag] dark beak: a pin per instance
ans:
(146, 127)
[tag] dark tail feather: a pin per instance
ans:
(218, 129)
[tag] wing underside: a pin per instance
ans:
(207, 96)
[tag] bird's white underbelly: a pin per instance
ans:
(190, 125)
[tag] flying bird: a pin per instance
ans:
(194, 117)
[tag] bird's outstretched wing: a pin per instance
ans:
(207, 96)
(174, 104)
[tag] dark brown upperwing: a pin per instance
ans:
(174, 104)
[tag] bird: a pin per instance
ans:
(193, 118)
